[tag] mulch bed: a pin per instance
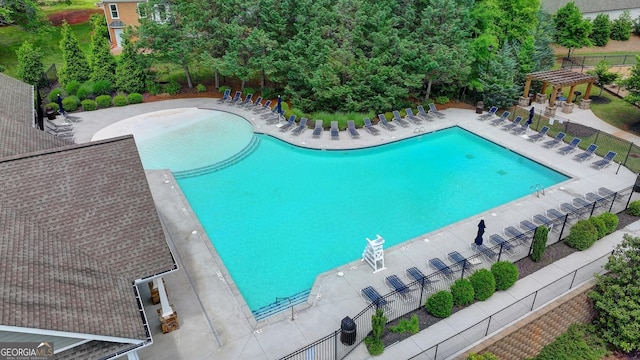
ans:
(73, 16)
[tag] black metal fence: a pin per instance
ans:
(49, 78)
(515, 247)
(591, 61)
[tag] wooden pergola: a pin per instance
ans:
(560, 79)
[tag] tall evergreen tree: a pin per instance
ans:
(103, 64)
(24, 13)
(131, 71)
(601, 30)
(544, 35)
(74, 65)
(632, 83)
(30, 67)
(498, 79)
(622, 26)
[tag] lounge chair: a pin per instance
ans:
(499, 240)
(457, 258)
(569, 208)
(512, 125)
(351, 127)
(387, 125)
(236, 97)
(372, 296)
(252, 103)
(262, 108)
(486, 251)
(434, 111)
(528, 226)
(288, 125)
(581, 203)
(488, 115)
(395, 283)
(317, 130)
(593, 197)
(540, 219)
(520, 129)
(555, 142)
(573, 145)
(424, 114)
(301, 127)
(369, 127)
(605, 161)
(603, 191)
(504, 117)
(410, 115)
(587, 154)
(334, 130)
(556, 216)
(415, 274)
(225, 96)
(516, 234)
(540, 135)
(246, 100)
(441, 267)
(398, 118)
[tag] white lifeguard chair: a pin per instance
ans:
(373, 253)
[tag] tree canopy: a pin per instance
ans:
(572, 30)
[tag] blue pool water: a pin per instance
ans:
(283, 215)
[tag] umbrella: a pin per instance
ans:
(279, 106)
(60, 104)
(531, 113)
(481, 227)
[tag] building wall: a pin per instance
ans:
(614, 14)
(127, 12)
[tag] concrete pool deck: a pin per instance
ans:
(215, 322)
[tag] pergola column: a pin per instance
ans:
(567, 106)
(588, 92)
(585, 102)
(527, 85)
(168, 316)
(544, 87)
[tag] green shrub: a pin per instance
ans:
(120, 100)
(222, 89)
(201, 88)
(70, 103)
(134, 98)
(442, 100)
(582, 235)
(600, 226)
(269, 93)
(53, 105)
(483, 356)
(102, 87)
(462, 292)
(505, 274)
(75, 99)
(85, 91)
(539, 243)
(173, 87)
(634, 208)
(154, 88)
(411, 326)
(247, 90)
(53, 95)
(374, 341)
(89, 105)
(72, 87)
(375, 346)
(579, 342)
(484, 284)
(610, 221)
(104, 101)
(440, 304)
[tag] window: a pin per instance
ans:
(161, 13)
(142, 11)
(113, 9)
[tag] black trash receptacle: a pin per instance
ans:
(479, 107)
(348, 331)
(51, 113)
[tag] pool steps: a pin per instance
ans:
(246, 151)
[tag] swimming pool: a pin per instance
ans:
(283, 214)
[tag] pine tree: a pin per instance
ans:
(131, 72)
(74, 61)
(601, 30)
(103, 64)
(30, 65)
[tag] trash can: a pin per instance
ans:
(51, 113)
(479, 107)
(348, 331)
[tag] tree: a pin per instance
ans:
(30, 65)
(616, 297)
(572, 31)
(622, 26)
(543, 35)
(601, 30)
(74, 61)
(632, 83)
(131, 71)
(24, 13)
(103, 64)
(497, 79)
(605, 77)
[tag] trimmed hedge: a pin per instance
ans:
(539, 243)
(72, 87)
(53, 95)
(610, 222)
(85, 91)
(53, 105)
(634, 208)
(104, 101)
(70, 103)
(462, 292)
(120, 100)
(134, 98)
(483, 356)
(582, 235)
(440, 304)
(505, 274)
(600, 226)
(484, 284)
(201, 88)
(89, 105)
(102, 87)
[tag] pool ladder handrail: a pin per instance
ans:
(539, 189)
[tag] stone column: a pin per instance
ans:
(541, 98)
(168, 316)
(523, 101)
(585, 104)
(567, 107)
(550, 111)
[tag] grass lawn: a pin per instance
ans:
(55, 7)
(47, 40)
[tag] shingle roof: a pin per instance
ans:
(16, 116)
(77, 226)
(590, 6)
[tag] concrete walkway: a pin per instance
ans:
(217, 324)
